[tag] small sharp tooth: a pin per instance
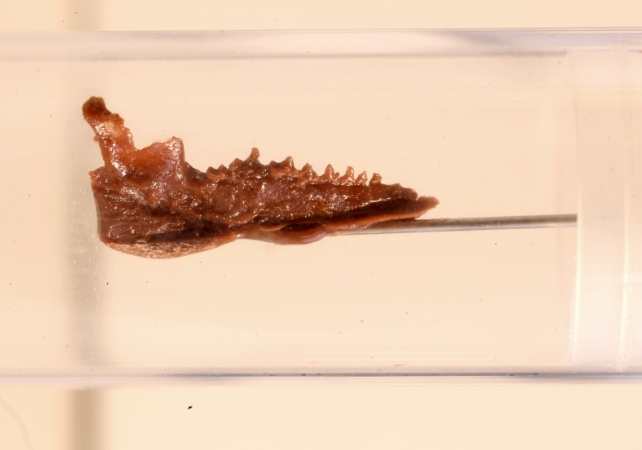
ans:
(362, 179)
(235, 164)
(329, 173)
(215, 174)
(254, 155)
(376, 179)
(348, 178)
(305, 174)
(289, 162)
(277, 170)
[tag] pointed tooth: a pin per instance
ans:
(304, 175)
(254, 154)
(329, 173)
(348, 178)
(235, 164)
(362, 179)
(215, 174)
(376, 179)
(288, 162)
(276, 169)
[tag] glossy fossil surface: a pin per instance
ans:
(152, 203)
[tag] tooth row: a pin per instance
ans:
(286, 168)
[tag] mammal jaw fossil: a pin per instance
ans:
(151, 203)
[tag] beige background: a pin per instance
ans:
(455, 414)
(331, 14)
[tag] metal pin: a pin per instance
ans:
(476, 223)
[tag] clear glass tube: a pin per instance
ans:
(492, 123)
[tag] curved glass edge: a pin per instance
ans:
(607, 312)
(104, 381)
(104, 45)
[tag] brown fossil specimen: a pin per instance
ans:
(152, 203)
